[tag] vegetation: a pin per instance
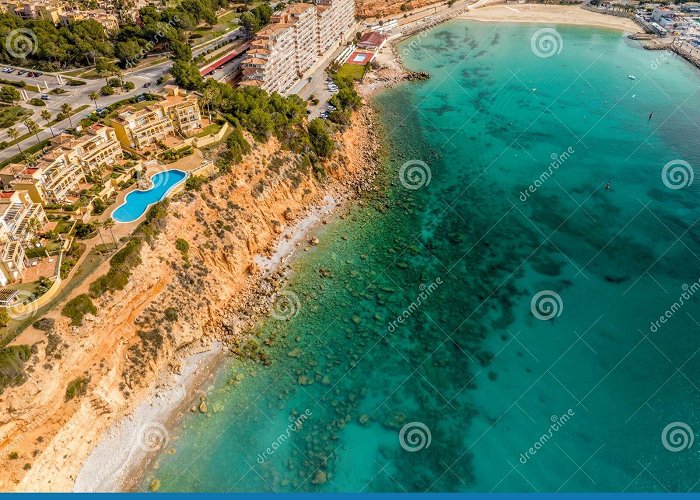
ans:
(253, 20)
(320, 139)
(9, 94)
(78, 307)
(11, 115)
(195, 182)
(125, 260)
(55, 47)
(183, 247)
(35, 101)
(77, 388)
(12, 361)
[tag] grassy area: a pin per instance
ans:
(354, 71)
(10, 115)
(210, 129)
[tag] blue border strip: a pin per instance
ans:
(375, 496)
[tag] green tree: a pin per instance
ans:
(66, 110)
(320, 139)
(94, 97)
(9, 94)
(187, 75)
(32, 127)
(46, 116)
(14, 135)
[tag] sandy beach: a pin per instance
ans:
(549, 14)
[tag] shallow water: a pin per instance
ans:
(417, 308)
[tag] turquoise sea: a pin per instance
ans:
(471, 333)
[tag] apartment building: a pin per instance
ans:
(20, 219)
(98, 147)
(277, 70)
(51, 180)
(296, 38)
(178, 111)
(45, 10)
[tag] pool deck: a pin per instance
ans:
(123, 229)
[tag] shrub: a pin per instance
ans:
(77, 388)
(44, 324)
(195, 182)
(182, 246)
(170, 314)
(78, 307)
(35, 101)
(107, 90)
(4, 318)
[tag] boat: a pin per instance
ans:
(631, 77)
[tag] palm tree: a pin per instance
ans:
(32, 128)
(94, 96)
(98, 225)
(109, 224)
(67, 109)
(46, 115)
(12, 132)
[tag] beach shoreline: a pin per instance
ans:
(549, 14)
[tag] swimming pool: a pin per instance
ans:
(137, 202)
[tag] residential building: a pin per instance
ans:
(99, 146)
(20, 219)
(294, 41)
(45, 10)
(276, 71)
(178, 111)
(183, 109)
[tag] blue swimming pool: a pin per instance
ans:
(137, 202)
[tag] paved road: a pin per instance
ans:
(78, 96)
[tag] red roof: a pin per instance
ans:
(372, 38)
(225, 59)
(6, 194)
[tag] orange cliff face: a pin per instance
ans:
(379, 8)
(45, 439)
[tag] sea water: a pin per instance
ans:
(490, 320)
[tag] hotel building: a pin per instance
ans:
(294, 41)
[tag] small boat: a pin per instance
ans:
(631, 77)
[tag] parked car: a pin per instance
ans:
(38, 73)
(30, 73)
(146, 85)
(45, 97)
(19, 73)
